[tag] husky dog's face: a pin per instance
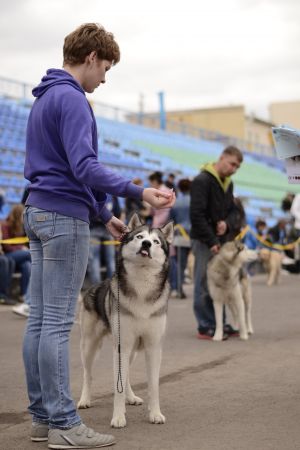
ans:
(145, 245)
(236, 250)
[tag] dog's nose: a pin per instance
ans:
(146, 244)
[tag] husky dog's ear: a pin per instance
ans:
(168, 231)
(134, 222)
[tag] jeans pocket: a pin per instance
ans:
(43, 224)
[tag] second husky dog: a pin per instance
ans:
(229, 284)
(139, 291)
(272, 262)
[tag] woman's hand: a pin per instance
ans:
(116, 228)
(159, 199)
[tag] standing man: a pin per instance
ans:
(213, 214)
(68, 187)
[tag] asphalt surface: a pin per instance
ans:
(231, 395)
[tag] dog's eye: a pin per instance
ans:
(139, 236)
(156, 241)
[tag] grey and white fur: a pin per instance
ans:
(229, 284)
(141, 286)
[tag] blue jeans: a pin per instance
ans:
(95, 253)
(59, 251)
(182, 258)
(22, 261)
(203, 304)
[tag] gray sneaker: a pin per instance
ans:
(39, 432)
(78, 437)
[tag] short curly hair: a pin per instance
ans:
(87, 38)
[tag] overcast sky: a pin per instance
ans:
(200, 53)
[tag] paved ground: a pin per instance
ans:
(231, 395)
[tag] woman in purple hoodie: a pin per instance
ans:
(68, 187)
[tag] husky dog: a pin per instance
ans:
(229, 284)
(136, 298)
(272, 261)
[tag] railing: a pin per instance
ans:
(19, 90)
(15, 89)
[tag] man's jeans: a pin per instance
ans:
(203, 305)
(59, 248)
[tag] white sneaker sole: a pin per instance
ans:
(37, 439)
(63, 446)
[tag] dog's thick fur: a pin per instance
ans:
(229, 284)
(141, 282)
(272, 261)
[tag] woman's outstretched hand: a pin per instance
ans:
(159, 199)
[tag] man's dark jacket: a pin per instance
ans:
(210, 203)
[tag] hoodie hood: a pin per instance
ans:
(211, 169)
(54, 77)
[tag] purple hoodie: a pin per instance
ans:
(62, 153)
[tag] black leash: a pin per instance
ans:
(120, 388)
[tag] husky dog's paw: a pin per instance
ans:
(118, 421)
(244, 337)
(217, 337)
(156, 417)
(83, 404)
(134, 400)
(250, 330)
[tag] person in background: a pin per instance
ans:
(278, 233)
(13, 227)
(7, 268)
(102, 252)
(159, 216)
(253, 243)
(180, 214)
(250, 240)
(2, 199)
(68, 187)
(137, 205)
(213, 214)
(287, 202)
(295, 211)
(170, 182)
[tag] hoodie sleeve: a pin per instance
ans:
(76, 131)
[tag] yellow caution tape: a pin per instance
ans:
(240, 236)
(25, 240)
(182, 231)
(244, 231)
(95, 241)
(262, 240)
(16, 240)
